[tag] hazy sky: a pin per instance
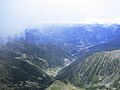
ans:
(16, 15)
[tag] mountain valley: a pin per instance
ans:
(62, 57)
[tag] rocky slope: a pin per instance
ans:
(100, 70)
(58, 85)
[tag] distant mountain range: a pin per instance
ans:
(73, 38)
(83, 55)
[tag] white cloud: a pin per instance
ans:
(102, 20)
(16, 15)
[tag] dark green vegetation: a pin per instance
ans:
(18, 74)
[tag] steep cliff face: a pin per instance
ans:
(98, 69)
